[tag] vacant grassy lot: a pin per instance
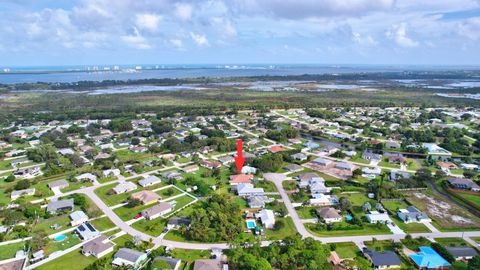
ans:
(8, 251)
(346, 250)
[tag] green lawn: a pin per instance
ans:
(289, 184)
(388, 165)
(69, 242)
(8, 251)
(452, 241)
(190, 255)
(413, 227)
(471, 197)
(379, 246)
(168, 192)
(102, 224)
(73, 261)
(113, 199)
(394, 205)
(287, 230)
(355, 198)
(150, 227)
(415, 243)
(127, 213)
(368, 229)
(359, 160)
(306, 212)
(346, 250)
(44, 225)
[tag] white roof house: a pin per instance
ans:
(322, 199)
(372, 171)
(376, 217)
(78, 217)
(267, 217)
(249, 170)
(24, 192)
(247, 189)
(124, 187)
(87, 176)
(111, 172)
(149, 181)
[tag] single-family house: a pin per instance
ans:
(428, 258)
(146, 197)
(149, 181)
(59, 206)
(240, 178)
(382, 260)
(111, 173)
(177, 222)
(190, 168)
(299, 156)
(462, 253)
(329, 214)
(293, 168)
(59, 184)
(412, 214)
(157, 210)
(78, 217)
(247, 189)
(98, 247)
(129, 257)
(267, 218)
(377, 217)
(249, 170)
(22, 193)
(86, 177)
(86, 231)
(463, 183)
(172, 262)
(124, 187)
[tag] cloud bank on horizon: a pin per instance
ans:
(48, 32)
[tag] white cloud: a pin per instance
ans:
(224, 26)
(136, 40)
(148, 21)
(177, 43)
(364, 40)
(470, 29)
(184, 11)
(398, 33)
(199, 39)
(294, 9)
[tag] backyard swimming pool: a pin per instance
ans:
(59, 238)
(251, 224)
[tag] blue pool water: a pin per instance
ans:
(348, 217)
(59, 238)
(251, 224)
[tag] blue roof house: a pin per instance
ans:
(428, 258)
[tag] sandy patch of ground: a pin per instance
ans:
(443, 211)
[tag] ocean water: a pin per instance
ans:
(69, 74)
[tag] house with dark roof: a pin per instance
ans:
(86, 231)
(177, 222)
(157, 210)
(462, 253)
(174, 263)
(412, 214)
(382, 260)
(463, 183)
(59, 206)
(98, 247)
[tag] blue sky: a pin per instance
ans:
(87, 32)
